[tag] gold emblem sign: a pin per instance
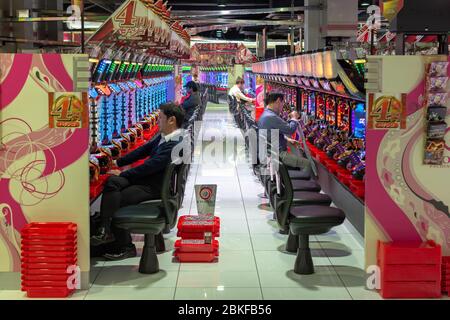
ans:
(68, 110)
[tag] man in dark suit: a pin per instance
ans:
(138, 184)
(192, 101)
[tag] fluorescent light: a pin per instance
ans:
(365, 4)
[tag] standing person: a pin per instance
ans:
(138, 184)
(274, 124)
(193, 100)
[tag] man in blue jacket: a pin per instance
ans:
(141, 183)
(192, 102)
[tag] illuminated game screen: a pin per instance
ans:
(312, 104)
(101, 69)
(359, 121)
(320, 107)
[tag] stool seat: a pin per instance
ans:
(314, 219)
(304, 198)
(305, 185)
(299, 175)
(142, 218)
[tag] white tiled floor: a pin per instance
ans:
(252, 262)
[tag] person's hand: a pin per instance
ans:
(294, 115)
(294, 142)
(114, 164)
(114, 172)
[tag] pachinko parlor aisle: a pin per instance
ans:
(179, 151)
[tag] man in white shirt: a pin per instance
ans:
(236, 91)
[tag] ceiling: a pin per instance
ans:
(227, 19)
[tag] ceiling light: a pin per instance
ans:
(221, 3)
(365, 4)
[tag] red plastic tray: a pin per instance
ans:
(196, 256)
(49, 242)
(411, 272)
(45, 277)
(195, 235)
(40, 284)
(196, 245)
(27, 272)
(48, 292)
(54, 265)
(43, 254)
(46, 248)
(412, 289)
(30, 260)
(199, 225)
(409, 253)
(50, 228)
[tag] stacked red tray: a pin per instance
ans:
(410, 269)
(197, 243)
(196, 250)
(194, 227)
(446, 275)
(49, 253)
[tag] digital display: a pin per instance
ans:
(359, 121)
(121, 71)
(111, 71)
(101, 69)
(105, 73)
(312, 104)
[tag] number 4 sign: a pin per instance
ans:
(68, 110)
(387, 111)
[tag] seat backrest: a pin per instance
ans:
(170, 193)
(285, 192)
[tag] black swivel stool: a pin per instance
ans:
(312, 217)
(151, 219)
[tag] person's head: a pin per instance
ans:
(275, 101)
(195, 76)
(171, 117)
(240, 83)
(191, 87)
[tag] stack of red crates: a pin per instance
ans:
(446, 275)
(48, 250)
(193, 245)
(410, 269)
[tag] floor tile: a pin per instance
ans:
(128, 276)
(21, 295)
(269, 242)
(353, 258)
(228, 261)
(130, 293)
(333, 293)
(233, 226)
(263, 226)
(218, 294)
(323, 277)
(282, 262)
(234, 242)
(217, 279)
(340, 241)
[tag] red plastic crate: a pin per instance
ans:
(409, 253)
(50, 254)
(30, 260)
(413, 289)
(410, 269)
(46, 248)
(196, 245)
(44, 283)
(45, 277)
(27, 272)
(195, 235)
(49, 292)
(197, 224)
(196, 256)
(54, 265)
(52, 229)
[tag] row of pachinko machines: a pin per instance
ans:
(214, 76)
(124, 100)
(330, 93)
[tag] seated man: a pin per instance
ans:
(272, 122)
(192, 100)
(236, 91)
(138, 184)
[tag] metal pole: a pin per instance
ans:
(292, 29)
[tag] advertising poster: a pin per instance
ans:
(205, 194)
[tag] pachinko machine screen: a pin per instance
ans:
(331, 111)
(102, 68)
(312, 104)
(343, 115)
(359, 121)
(320, 107)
